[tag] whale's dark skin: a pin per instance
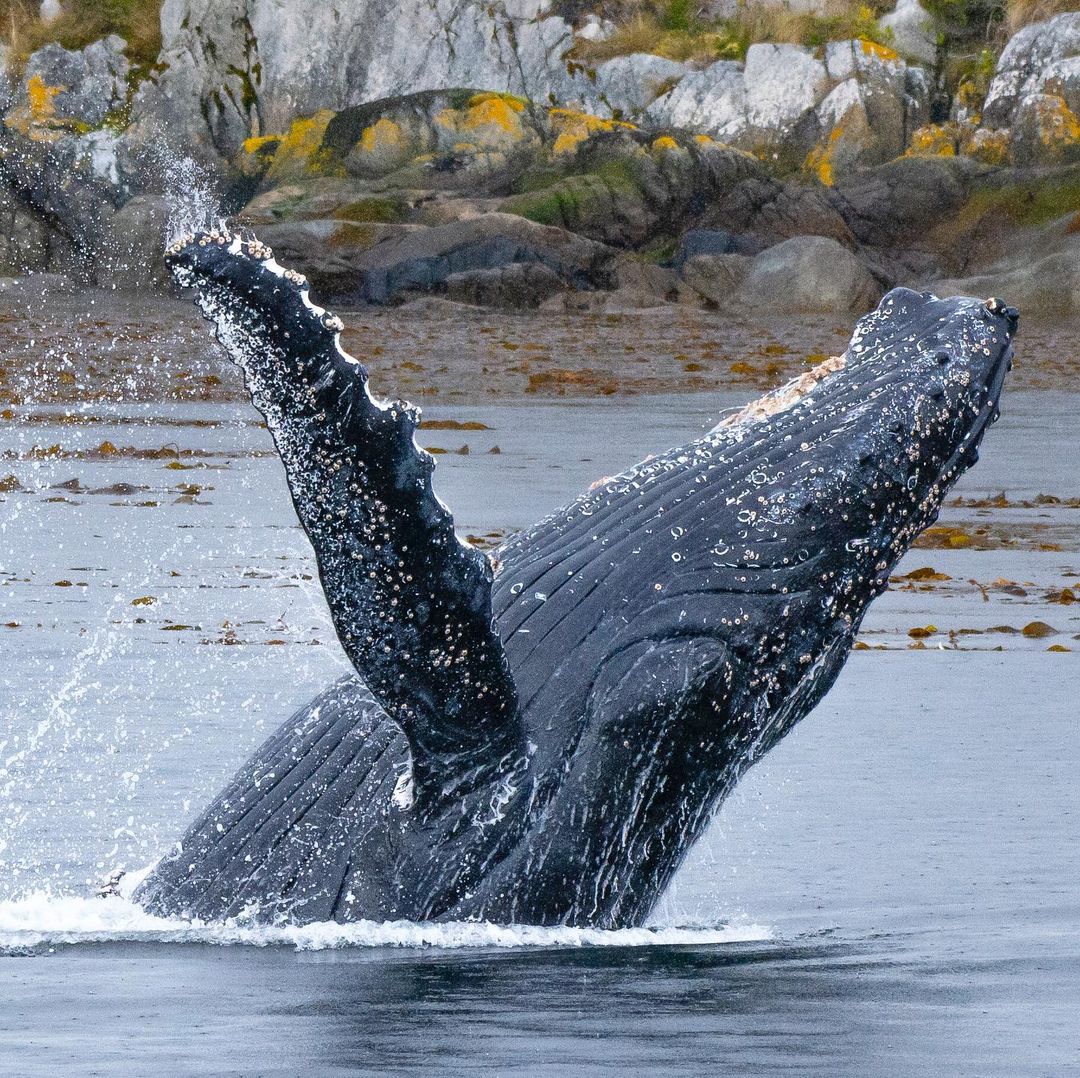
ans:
(540, 736)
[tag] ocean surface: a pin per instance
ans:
(892, 891)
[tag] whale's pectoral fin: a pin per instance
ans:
(411, 604)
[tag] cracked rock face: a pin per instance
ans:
(249, 67)
(243, 68)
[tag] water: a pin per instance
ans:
(892, 891)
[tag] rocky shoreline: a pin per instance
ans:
(460, 150)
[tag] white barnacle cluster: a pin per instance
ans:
(780, 400)
(258, 250)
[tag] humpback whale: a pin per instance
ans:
(540, 734)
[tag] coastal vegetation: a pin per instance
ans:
(81, 22)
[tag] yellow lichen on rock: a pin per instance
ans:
(663, 143)
(990, 147)
(499, 110)
(488, 121)
(575, 127)
(260, 143)
(384, 146)
(37, 118)
(882, 52)
(40, 99)
(933, 140)
(382, 136)
(299, 152)
(256, 155)
(820, 161)
(1058, 124)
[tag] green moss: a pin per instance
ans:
(1026, 204)
(618, 174)
(536, 178)
(660, 251)
(544, 207)
(579, 202)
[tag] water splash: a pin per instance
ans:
(193, 196)
(41, 919)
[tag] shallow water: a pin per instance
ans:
(892, 891)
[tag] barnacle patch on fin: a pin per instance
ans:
(786, 396)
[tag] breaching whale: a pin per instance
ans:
(539, 735)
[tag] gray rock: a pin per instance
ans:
(704, 241)
(132, 245)
(1023, 62)
(785, 100)
(712, 101)
(763, 211)
(871, 104)
(92, 81)
(783, 83)
(1062, 79)
(519, 286)
(1040, 275)
(807, 274)
(386, 263)
(24, 238)
(752, 105)
(1045, 132)
(716, 277)
(627, 85)
(912, 29)
(895, 203)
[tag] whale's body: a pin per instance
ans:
(541, 735)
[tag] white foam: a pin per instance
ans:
(40, 918)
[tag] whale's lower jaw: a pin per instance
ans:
(544, 744)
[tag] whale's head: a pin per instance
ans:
(827, 481)
(864, 458)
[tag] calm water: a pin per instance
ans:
(892, 891)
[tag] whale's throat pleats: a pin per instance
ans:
(411, 604)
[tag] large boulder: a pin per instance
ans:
(1045, 132)
(875, 101)
(716, 277)
(808, 274)
(389, 263)
(1037, 59)
(81, 87)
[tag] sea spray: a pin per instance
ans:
(43, 919)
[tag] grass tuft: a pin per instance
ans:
(138, 22)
